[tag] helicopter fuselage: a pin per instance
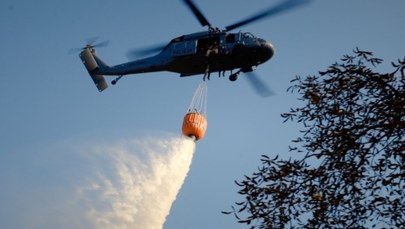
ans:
(197, 53)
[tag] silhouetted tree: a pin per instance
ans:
(352, 168)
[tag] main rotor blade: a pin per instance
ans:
(136, 53)
(274, 10)
(203, 21)
(258, 85)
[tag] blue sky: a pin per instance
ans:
(48, 99)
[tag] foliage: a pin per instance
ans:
(352, 171)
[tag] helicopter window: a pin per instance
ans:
(248, 35)
(230, 38)
(205, 43)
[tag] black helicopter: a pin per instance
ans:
(214, 50)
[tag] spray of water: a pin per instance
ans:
(129, 183)
(136, 182)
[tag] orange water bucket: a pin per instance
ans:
(194, 125)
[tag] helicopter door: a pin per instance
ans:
(184, 48)
(206, 44)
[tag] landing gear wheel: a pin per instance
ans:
(233, 77)
(116, 80)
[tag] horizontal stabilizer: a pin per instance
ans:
(99, 81)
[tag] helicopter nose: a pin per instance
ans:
(268, 49)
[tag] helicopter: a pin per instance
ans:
(200, 53)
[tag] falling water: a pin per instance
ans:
(122, 184)
(135, 182)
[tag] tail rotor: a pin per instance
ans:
(90, 44)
